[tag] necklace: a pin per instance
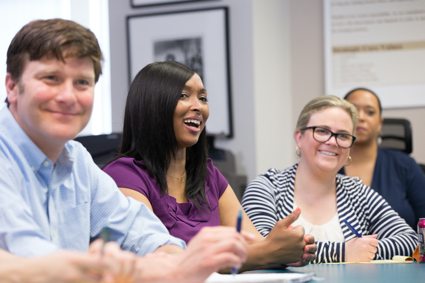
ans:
(180, 179)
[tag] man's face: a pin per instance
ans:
(52, 101)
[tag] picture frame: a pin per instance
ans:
(152, 3)
(198, 38)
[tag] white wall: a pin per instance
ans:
(10, 23)
(89, 13)
(272, 85)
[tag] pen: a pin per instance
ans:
(238, 229)
(357, 233)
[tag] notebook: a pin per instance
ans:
(395, 259)
(286, 277)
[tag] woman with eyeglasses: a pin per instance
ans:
(350, 222)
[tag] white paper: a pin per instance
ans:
(260, 278)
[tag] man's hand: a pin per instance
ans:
(65, 267)
(212, 249)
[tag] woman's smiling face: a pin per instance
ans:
(327, 156)
(191, 112)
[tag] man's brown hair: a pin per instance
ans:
(55, 38)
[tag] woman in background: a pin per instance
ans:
(393, 174)
(164, 164)
(349, 221)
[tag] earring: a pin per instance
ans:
(349, 160)
(297, 151)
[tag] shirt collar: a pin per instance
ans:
(35, 157)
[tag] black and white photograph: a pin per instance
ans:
(186, 50)
(199, 39)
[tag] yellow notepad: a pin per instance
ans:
(395, 259)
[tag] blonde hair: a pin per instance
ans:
(324, 102)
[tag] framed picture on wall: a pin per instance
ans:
(197, 38)
(150, 3)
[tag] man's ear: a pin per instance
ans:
(12, 89)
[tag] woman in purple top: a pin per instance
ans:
(164, 164)
(182, 219)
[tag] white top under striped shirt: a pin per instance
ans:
(329, 231)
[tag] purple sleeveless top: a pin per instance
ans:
(183, 220)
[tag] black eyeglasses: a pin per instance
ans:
(322, 135)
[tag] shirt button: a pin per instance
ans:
(46, 163)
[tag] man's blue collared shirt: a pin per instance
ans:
(46, 206)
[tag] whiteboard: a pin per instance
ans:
(378, 44)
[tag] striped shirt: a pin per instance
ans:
(270, 197)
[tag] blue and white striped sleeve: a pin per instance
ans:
(395, 236)
(259, 203)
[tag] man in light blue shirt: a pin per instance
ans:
(52, 194)
(66, 203)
